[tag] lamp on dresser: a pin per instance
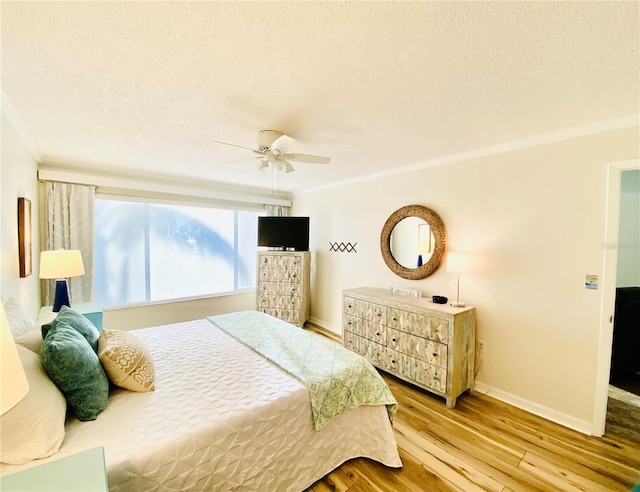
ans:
(459, 262)
(61, 264)
(13, 381)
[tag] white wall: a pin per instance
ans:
(18, 179)
(535, 219)
(629, 235)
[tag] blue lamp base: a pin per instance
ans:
(62, 295)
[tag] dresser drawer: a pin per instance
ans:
(388, 359)
(280, 262)
(423, 373)
(288, 302)
(434, 353)
(275, 275)
(364, 347)
(370, 330)
(366, 310)
(418, 371)
(292, 289)
(436, 329)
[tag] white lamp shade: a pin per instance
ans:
(460, 262)
(61, 263)
(13, 381)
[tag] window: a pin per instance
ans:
(151, 252)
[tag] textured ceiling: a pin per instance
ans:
(373, 85)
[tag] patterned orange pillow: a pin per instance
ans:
(126, 360)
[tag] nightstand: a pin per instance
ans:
(82, 472)
(90, 310)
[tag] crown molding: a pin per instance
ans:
(629, 121)
(12, 115)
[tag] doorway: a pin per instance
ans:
(623, 406)
(609, 287)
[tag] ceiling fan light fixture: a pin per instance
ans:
(279, 168)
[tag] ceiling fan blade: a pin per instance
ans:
(239, 146)
(288, 168)
(283, 144)
(314, 159)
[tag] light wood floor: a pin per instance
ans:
(484, 444)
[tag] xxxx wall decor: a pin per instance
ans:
(342, 247)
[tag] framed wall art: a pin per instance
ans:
(24, 237)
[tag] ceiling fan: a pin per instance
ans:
(274, 149)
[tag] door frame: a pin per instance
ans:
(609, 274)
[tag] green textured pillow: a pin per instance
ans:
(76, 370)
(77, 321)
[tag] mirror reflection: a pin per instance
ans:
(412, 242)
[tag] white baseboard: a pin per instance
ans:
(534, 408)
(334, 329)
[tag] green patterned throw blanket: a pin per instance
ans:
(337, 379)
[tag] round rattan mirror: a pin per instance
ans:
(436, 235)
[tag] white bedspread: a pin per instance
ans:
(221, 418)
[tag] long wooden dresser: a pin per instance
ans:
(284, 279)
(427, 344)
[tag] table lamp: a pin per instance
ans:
(61, 264)
(459, 263)
(13, 381)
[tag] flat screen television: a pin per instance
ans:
(287, 233)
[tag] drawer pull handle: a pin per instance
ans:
(393, 339)
(377, 334)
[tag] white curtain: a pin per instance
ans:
(277, 210)
(69, 215)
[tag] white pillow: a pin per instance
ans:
(34, 428)
(19, 319)
(31, 339)
(45, 317)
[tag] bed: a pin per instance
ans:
(224, 417)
